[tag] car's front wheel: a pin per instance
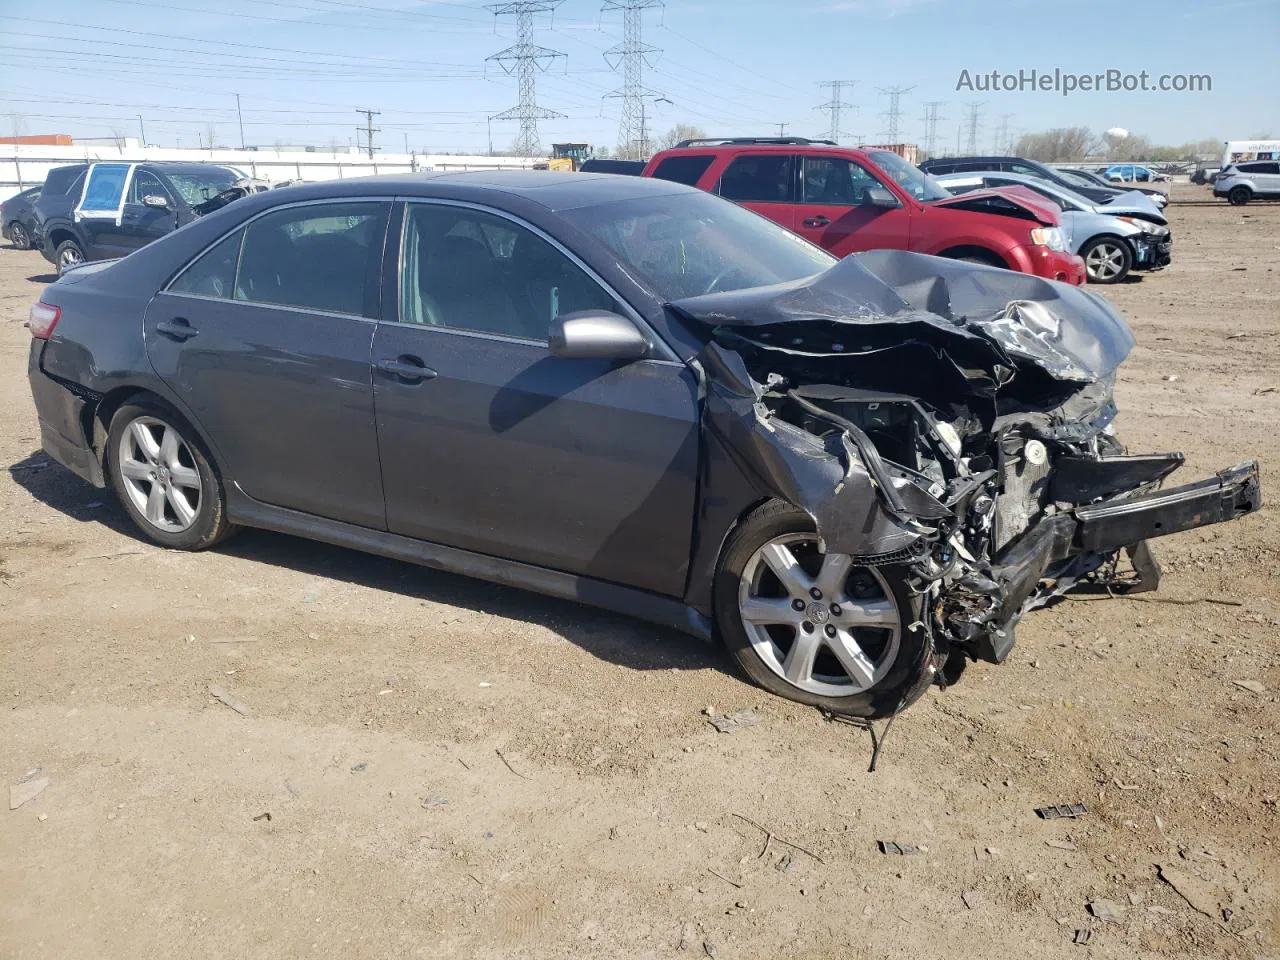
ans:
(164, 478)
(1239, 196)
(1106, 260)
(813, 626)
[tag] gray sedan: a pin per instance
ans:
(1113, 239)
(631, 393)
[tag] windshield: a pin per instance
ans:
(910, 177)
(692, 243)
(1079, 179)
(197, 187)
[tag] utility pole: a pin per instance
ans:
(368, 130)
(893, 115)
(642, 144)
(931, 119)
(525, 58)
(240, 117)
(782, 130)
(406, 143)
(630, 57)
(142, 130)
(835, 105)
(973, 121)
(1000, 142)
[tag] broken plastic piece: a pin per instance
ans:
(1059, 810)
(902, 849)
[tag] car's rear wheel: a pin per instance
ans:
(1106, 260)
(814, 627)
(19, 237)
(1239, 196)
(67, 256)
(164, 478)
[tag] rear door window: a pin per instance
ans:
(759, 178)
(212, 274)
(59, 180)
(325, 257)
(683, 169)
(104, 191)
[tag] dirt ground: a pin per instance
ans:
(435, 767)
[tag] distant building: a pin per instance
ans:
(907, 151)
(42, 139)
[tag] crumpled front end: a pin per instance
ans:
(952, 419)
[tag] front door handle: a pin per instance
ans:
(178, 328)
(818, 221)
(405, 367)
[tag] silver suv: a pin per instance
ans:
(1242, 182)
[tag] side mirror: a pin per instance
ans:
(155, 200)
(880, 197)
(597, 335)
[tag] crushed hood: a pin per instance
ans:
(1029, 201)
(988, 322)
(1132, 201)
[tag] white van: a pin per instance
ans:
(1242, 151)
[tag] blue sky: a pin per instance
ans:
(303, 67)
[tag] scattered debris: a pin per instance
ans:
(687, 933)
(902, 849)
(1171, 378)
(738, 720)
(1188, 853)
(1199, 893)
(116, 554)
(428, 802)
(771, 836)
(1262, 390)
(709, 949)
(507, 764)
(720, 876)
(1082, 937)
(20, 793)
(262, 816)
(786, 863)
(1124, 786)
(221, 695)
(1060, 845)
(1108, 911)
(1253, 686)
(360, 767)
(971, 899)
(1059, 810)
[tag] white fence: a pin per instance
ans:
(24, 165)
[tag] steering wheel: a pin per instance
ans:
(722, 275)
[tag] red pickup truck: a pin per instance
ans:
(847, 200)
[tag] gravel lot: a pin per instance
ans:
(457, 770)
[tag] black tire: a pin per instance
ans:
(1239, 196)
(985, 259)
(19, 237)
(906, 676)
(67, 254)
(1095, 247)
(209, 523)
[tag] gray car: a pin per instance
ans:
(859, 474)
(1113, 239)
(1252, 180)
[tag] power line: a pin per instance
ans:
(368, 130)
(931, 119)
(972, 122)
(525, 59)
(835, 105)
(893, 116)
(1000, 142)
(632, 55)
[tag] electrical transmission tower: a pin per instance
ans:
(1001, 142)
(893, 116)
(368, 130)
(630, 57)
(835, 105)
(525, 58)
(931, 119)
(972, 122)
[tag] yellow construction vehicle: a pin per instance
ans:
(565, 157)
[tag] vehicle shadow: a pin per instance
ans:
(617, 639)
(43, 278)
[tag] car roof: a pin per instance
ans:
(765, 147)
(186, 166)
(553, 190)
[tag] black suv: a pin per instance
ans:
(1030, 168)
(122, 206)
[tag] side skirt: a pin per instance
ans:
(668, 612)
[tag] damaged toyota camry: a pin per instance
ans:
(859, 474)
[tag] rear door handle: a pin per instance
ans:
(178, 328)
(405, 367)
(818, 221)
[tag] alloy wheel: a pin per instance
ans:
(1105, 261)
(18, 237)
(160, 475)
(69, 257)
(815, 619)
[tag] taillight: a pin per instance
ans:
(42, 319)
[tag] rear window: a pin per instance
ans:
(1259, 168)
(683, 169)
(759, 178)
(58, 181)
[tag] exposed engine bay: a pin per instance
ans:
(956, 420)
